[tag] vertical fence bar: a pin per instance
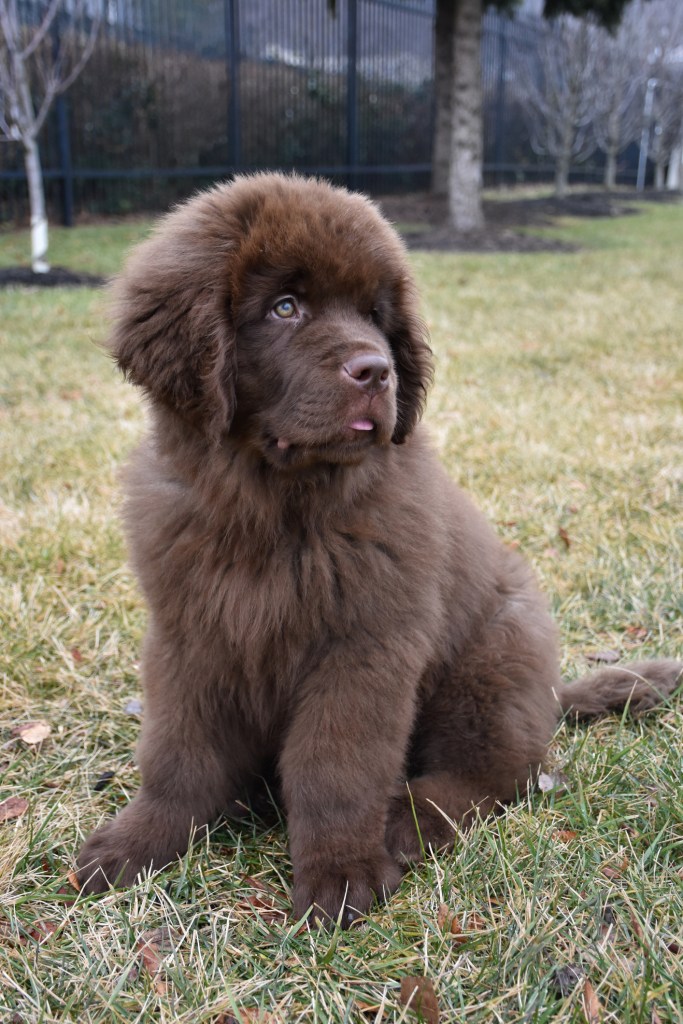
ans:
(500, 96)
(352, 93)
(232, 38)
(65, 162)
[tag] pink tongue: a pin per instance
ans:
(363, 425)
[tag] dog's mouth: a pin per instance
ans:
(349, 445)
(356, 429)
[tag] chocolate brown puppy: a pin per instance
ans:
(327, 610)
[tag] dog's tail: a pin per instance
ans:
(640, 685)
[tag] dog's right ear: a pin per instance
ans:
(173, 333)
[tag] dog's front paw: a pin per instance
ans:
(108, 858)
(344, 892)
(143, 836)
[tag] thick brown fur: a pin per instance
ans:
(327, 611)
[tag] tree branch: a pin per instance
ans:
(42, 30)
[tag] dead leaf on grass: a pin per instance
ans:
(418, 993)
(448, 922)
(41, 931)
(364, 1007)
(564, 537)
(565, 835)
(13, 807)
(32, 733)
(152, 946)
(263, 902)
(591, 1005)
(553, 781)
(615, 871)
(72, 879)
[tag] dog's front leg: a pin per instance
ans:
(343, 756)
(194, 756)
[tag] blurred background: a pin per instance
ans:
(178, 93)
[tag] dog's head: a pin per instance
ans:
(279, 310)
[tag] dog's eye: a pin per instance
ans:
(285, 309)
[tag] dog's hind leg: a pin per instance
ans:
(482, 733)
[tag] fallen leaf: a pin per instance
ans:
(447, 922)
(364, 1007)
(13, 807)
(565, 835)
(476, 923)
(592, 1007)
(635, 926)
(76, 655)
(674, 946)
(152, 946)
(32, 732)
(418, 993)
(103, 781)
(43, 930)
(564, 537)
(72, 879)
(606, 657)
(264, 902)
(609, 871)
(637, 632)
(554, 781)
(608, 922)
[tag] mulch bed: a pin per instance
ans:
(56, 277)
(507, 215)
(510, 221)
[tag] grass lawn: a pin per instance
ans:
(559, 405)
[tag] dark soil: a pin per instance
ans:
(56, 277)
(510, 222)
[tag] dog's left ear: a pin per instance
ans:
(413, 357)
(173, 333)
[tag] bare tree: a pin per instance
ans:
(619, 106)
(38, 62)
(661, 58)
(558, 93)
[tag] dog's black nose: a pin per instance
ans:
(368, 371)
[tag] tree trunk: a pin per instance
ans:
(464, 188)
(25, 119)
(444, 29)
(659, 174)
(612, 148)
(610, 167)
(34, 176)
(563, 159)
(673, 176)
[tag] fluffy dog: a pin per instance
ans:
(327, 610)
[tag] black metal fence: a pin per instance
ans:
(181, 92)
